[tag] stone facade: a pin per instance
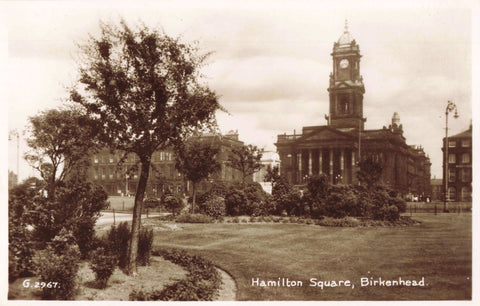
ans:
(335, 149)
(459, 166)
(106, 171)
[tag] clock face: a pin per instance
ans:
(344, 63)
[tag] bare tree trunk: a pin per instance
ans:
(136, 219)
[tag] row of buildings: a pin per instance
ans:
(334, 149)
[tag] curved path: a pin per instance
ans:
(228, 289)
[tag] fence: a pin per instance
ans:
(452, 207)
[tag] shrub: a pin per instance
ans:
(244, 220)
(202, 282)
(173, 204)
(103, 265)
(58, 262)
(214, 206)
(343, 222)
(145, 241)
(194, 218)
(236, 220)
(117, 242)
(151, 203)
(235, 199)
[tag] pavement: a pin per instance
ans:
(107, 218)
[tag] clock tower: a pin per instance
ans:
(346, 84)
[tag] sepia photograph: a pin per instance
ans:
(239, 151)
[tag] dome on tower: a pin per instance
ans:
(396, 119)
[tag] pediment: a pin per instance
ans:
(325, 134)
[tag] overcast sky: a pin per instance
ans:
(271, 62)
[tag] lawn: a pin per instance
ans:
(439, 250)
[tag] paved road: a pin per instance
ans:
(106, 218)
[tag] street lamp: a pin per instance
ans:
(450, 108)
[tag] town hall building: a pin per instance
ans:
(335, 149)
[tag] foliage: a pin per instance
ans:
(173, 203)
(194, 218)
(246, 159)
(102, 264)
(152, 203)
(339, 222)
(60, 143)
(145, 242)
(58, 262)
(315, 195)
(202, 282)
(369, 173)
(197, 160)
(20, 245)
(234, 200)
(342, 202)
(117, 242)
(75, 207)
(143, 87)
(214, 206)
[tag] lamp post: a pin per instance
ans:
(450, 108)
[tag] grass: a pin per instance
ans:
(439, 249)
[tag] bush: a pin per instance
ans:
(145, 241)
(236, 220)
(194, 218)
(202, 282)
(103, 265)
(151, 203)
(117, 239)
(214, 206)
(235, 200)
(343, 222)
(173, 204)
(59, 263)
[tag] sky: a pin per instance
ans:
(270, 63)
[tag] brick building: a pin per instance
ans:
(335, 149)
(459, 166)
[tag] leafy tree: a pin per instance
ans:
(144, 88)
(197, 159)
(369, 173)
(60, 141)
(246, 159)
(173, 203)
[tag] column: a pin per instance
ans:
(320, 161)
(330, 151)
(299, 175)
(342, 164)
(310, 162)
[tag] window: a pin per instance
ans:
(451, 193)
(95, 159)
(111, 158)
(466, 194)
(95, 173)
(466, 175)
(451, 175)
(452, 144)
(102, 170)
(451, 158)
(465, 158)
(465, 143)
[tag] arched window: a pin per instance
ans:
(451, 194)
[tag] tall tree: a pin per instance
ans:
(59, 141)
(145, 88)
(246, 159)
(197, 160)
